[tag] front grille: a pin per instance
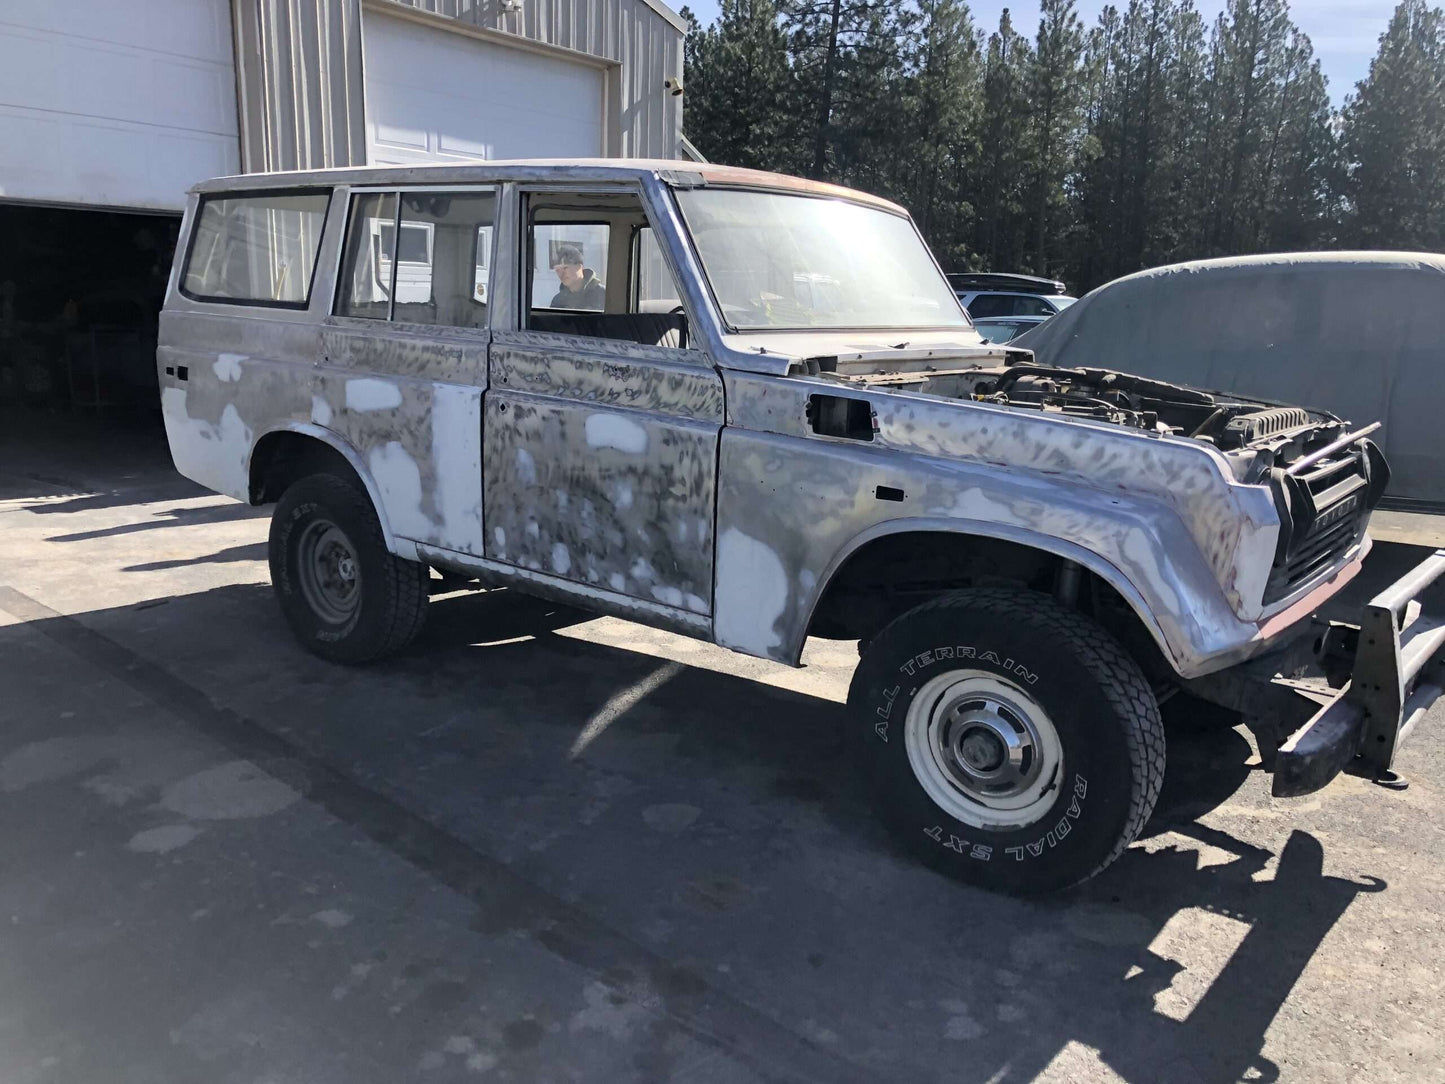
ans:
(1322, 511)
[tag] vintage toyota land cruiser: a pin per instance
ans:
(749, 408)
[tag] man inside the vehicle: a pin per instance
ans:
(580, 288)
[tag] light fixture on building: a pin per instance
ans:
(673, 86)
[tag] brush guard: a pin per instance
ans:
(1396, 675)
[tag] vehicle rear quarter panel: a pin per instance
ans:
(401, 401)
(240, 382)
(408, 409)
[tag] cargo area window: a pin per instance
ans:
(595, 270)
(418, 258)
(256, 249)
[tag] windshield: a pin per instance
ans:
(1061, 303)
(778, 261)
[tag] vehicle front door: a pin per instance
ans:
(601, 422)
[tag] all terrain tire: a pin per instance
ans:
(344, 595)
(1006, 739)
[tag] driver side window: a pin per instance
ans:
(595, 270)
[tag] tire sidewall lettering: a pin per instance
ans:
(946, 653)
(1051, 838)
(290, 524)
(1093, 694)
(889, 704)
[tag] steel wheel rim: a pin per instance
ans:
(983, 749)
(328, 572)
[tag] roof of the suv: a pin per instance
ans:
(992, 281)
(675, 171)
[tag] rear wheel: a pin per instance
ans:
(1006, 739)
(344, 595)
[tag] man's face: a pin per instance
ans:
(569, 274)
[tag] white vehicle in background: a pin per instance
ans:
(987, 294)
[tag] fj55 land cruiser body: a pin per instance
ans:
(778, 424)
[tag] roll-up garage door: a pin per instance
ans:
(115, 104)
(438, 95)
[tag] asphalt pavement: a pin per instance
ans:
(541, 846)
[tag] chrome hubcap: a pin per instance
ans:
(983, 749)
(329, 575)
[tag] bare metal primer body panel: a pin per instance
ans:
(685, 487)
(601, 461)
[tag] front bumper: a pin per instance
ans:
(1397, 674)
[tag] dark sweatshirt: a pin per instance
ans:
(591, 294)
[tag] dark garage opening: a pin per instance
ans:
(80, 295)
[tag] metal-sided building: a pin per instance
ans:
(111, 109)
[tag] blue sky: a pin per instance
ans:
(1345, 33)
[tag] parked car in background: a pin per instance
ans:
(768, 436)
(986, 295)
(1361, 334)
(1002, 329)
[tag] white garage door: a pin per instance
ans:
(118, 104)
(436, 95)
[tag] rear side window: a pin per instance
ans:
(441, 265)
(986, 305)
(429, 265)
(1032, 306)
(367, 263)
(256, 249)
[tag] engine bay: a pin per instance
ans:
(1254, 435)
(1152, 405)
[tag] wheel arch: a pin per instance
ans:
(954, 534)
(285, 453)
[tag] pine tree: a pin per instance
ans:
(736, 108)
(942, 101)
(998, 190)
(1092, 194)
(814, 29)
(870, 106)
(1252, 36)
(1394, 137)
(1300, 155)
(1177, 212)
(1056, 94)
(1142, 141)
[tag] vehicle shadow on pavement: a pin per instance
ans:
(705, 854)
(250, 551)
(221, 510)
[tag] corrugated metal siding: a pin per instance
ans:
(299, 71)
(298, 80)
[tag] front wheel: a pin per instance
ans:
(344, 595)
(1008, 740)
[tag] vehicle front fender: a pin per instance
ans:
(791, 513)
(965, 529)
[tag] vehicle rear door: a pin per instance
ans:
(404, 365)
